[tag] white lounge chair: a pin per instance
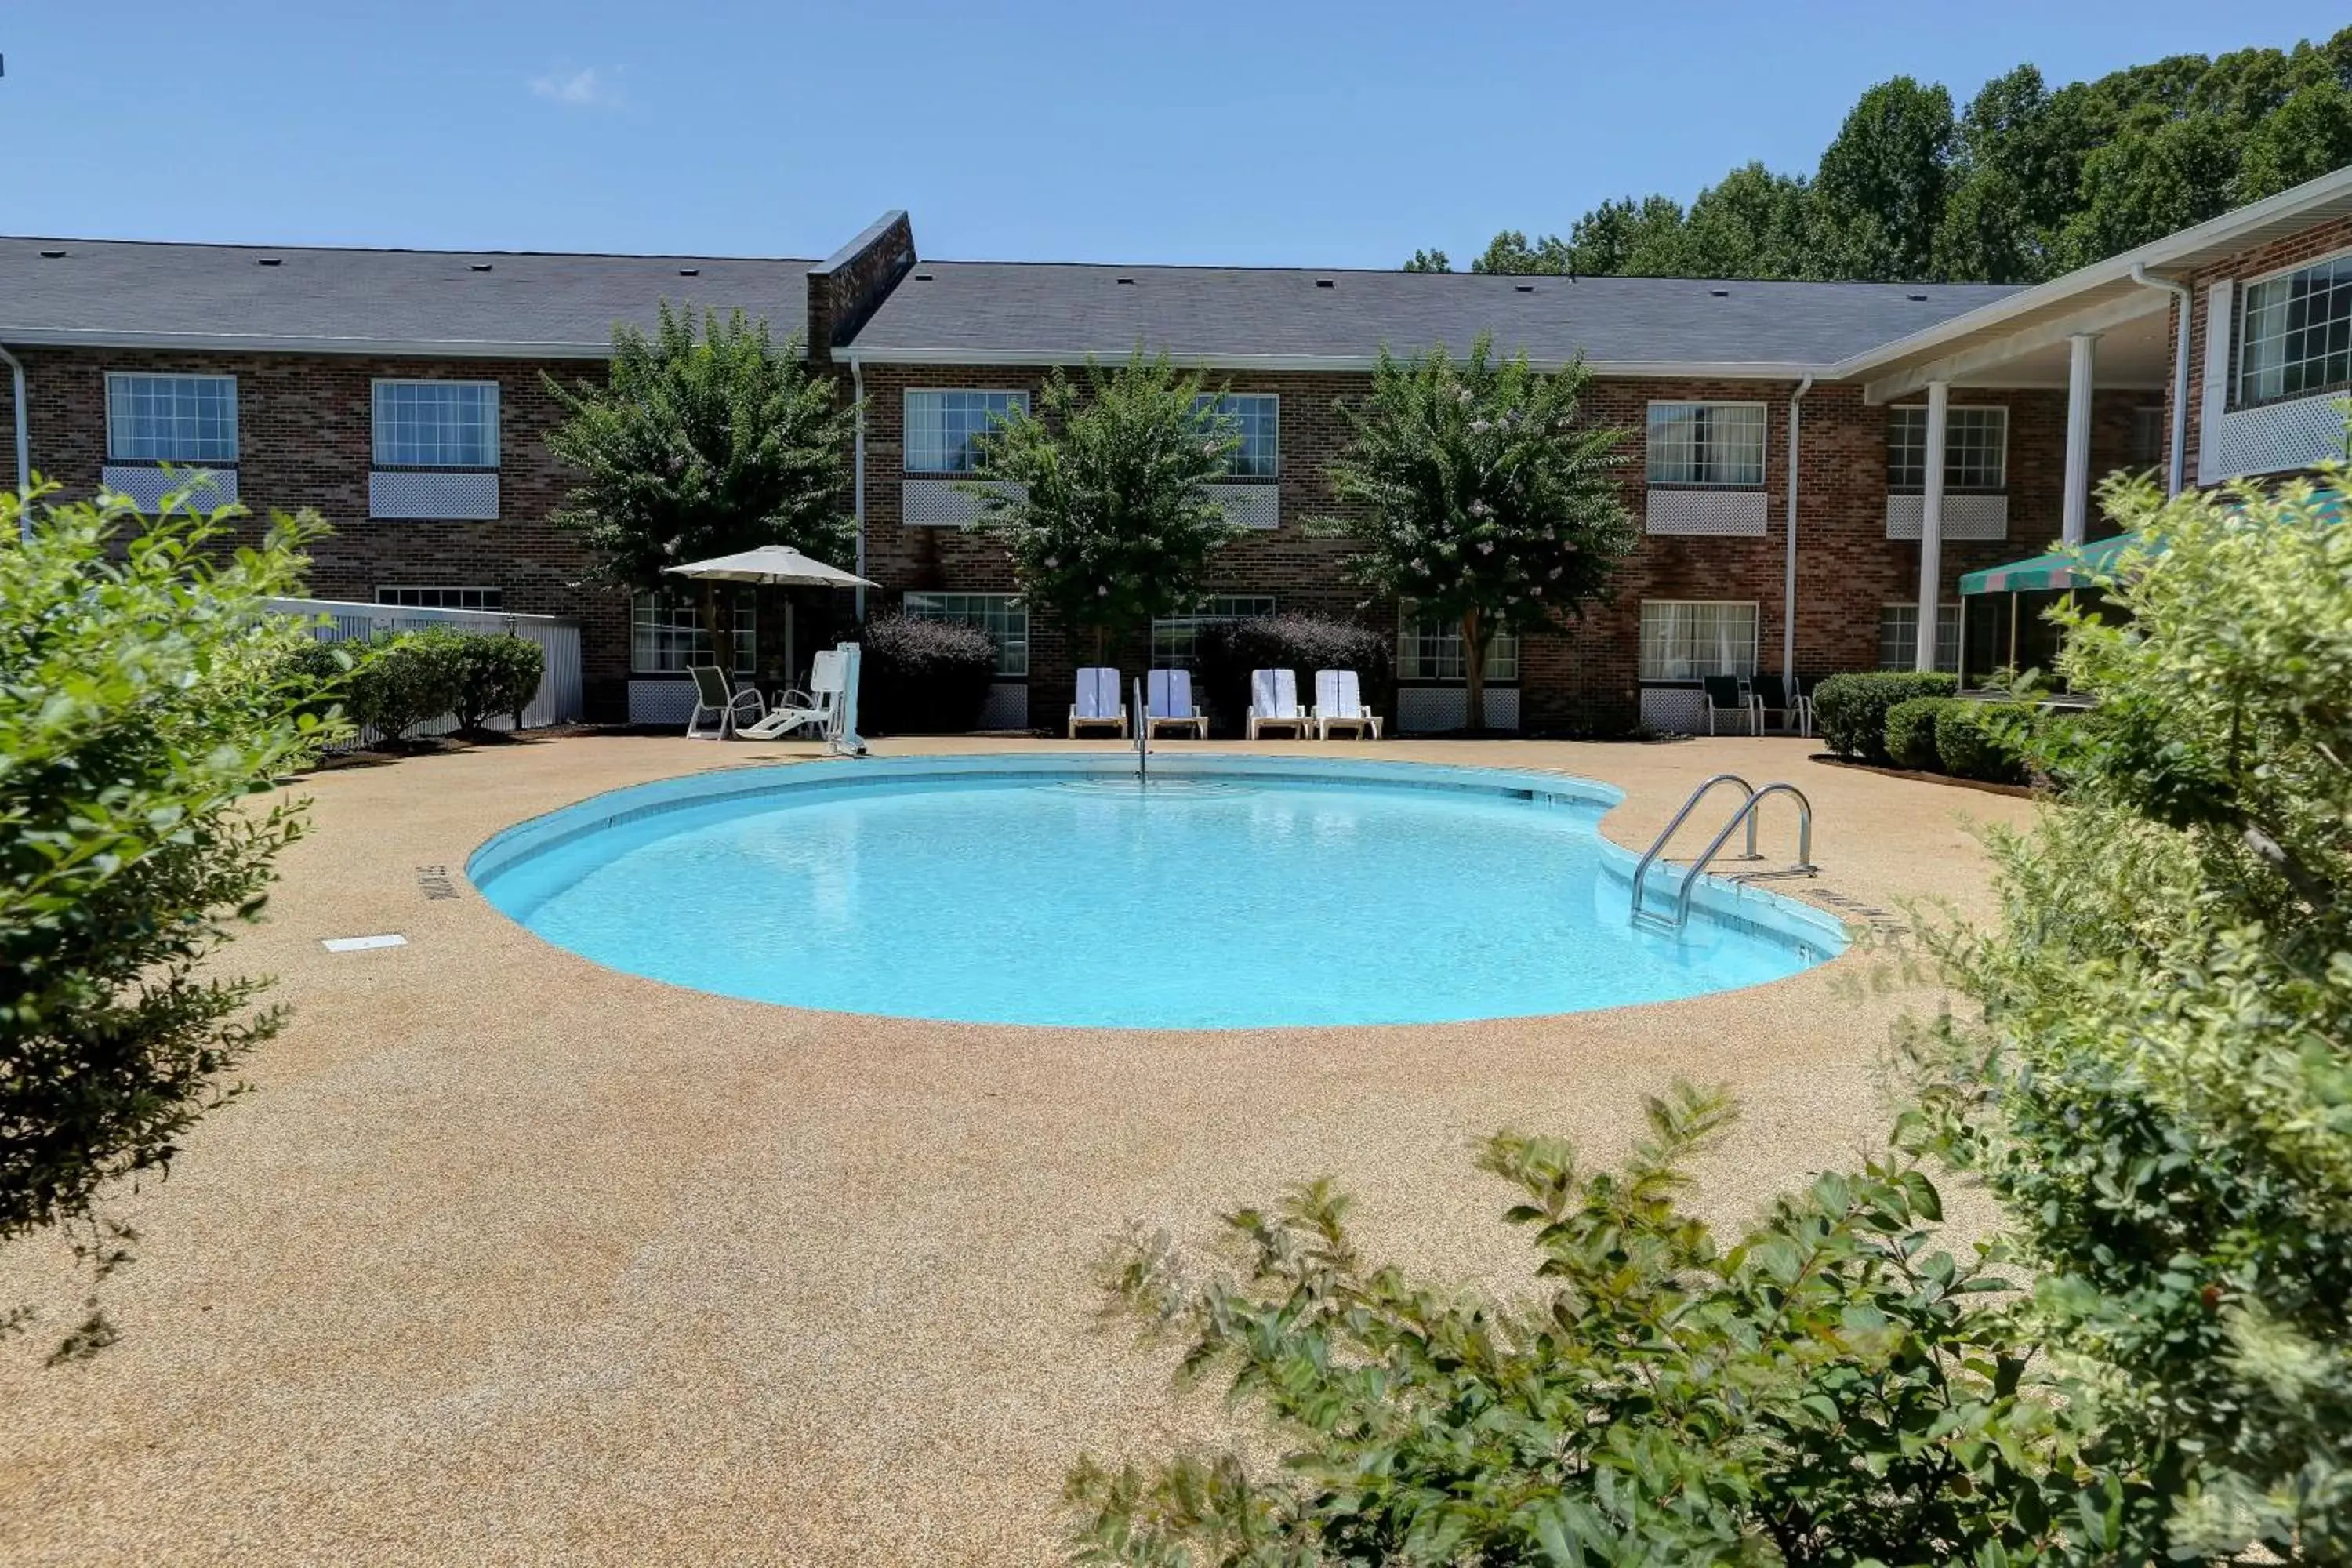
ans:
(1168, 704)
(1098, 702)
(1273, 701)
(717, 704)
(1339, 704)
(817, 710)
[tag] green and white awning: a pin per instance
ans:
(2060, 569)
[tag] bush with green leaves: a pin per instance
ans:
(147, 705)
(1829, 1387)
(1230, 650)
(1911, 732)
(1851, 710)
(401, 679)
(923, 677)
(1979, 740)
(498, 674)
(2157, 1081)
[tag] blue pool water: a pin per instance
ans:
(1227, 893)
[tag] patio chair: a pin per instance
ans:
(1098, 703)
(1168, 704)
(1774, 695)
(1273, 701)
(817, 710)
(1340, 703)
(718, 704)
(1723, 695)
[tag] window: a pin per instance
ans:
(940, 426)
(2295, 336)
(2151, 437)
(1684, 639)
(1256, 418)
(1176, 640)
(437, 424)
(1706, 443)
(442, 598)
(171, 419)
(666, 634)
(1898, 638)
(1001, 615)
(1976, 448)
(1431, 650)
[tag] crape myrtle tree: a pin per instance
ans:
(702, 445)
(146, 701)
(1481, 496)
(1101, 495)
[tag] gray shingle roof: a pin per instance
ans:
(124, 291)
(1051, 311)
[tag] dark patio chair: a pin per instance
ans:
(1786, 698)
(1723, 696)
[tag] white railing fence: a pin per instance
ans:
(558, 700)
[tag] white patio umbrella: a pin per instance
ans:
(775, 566)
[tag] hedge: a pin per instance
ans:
(1229, 651)
(1971, 741)
(923, 677)
(1851, 710)
(1911, 732)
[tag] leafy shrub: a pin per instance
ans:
(404, 679)
(1911, 732)
(1850, 710)
(1229, 651)
(146, 700)
(1979, 740)
(923, 677)
(320, 674)
(498, 672)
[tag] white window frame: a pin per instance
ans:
(2241, 336)
(1652, 673)
(1431, 653)
(1273, 470)
(1017, 396)
(378, 386)
(1951, 451)
(115, 385)
(1902, 642)
(1011, 646)
(666, 619)
(1176, 639)
(1653, 448)
(446, 597)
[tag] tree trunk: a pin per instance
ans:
(1098, 644)
(1473, 671)
(717, 628)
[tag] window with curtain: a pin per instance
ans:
(1001, 615)
(1976, 448)
(942, 426)
(2295, 333)
(666, 634)
(171, 419)
(1176, 639)
(437, 424)
(1898, 637)
(1687, 639)
(1256, 418)
(1706, 443)
(1431, 650)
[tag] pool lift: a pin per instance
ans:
(841, 736)
(1646, 918)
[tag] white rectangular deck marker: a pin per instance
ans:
(361, 943)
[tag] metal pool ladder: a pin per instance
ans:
(1751, 799)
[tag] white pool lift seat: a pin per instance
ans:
(816, 710)
(1169, 705)
(1339, 704)
(1098, 704)
(1273, 701)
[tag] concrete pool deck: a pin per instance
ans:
(511, 1259)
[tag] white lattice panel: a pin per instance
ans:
(1965, 517)
(2279, 436)
(1674, 709)
(1719, 513)
(1007, 706)
(1250, 506)
(206, 487)
(1422, 709)
(399, 492)
(942, 503)
(660, 701)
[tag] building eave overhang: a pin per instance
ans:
(1659, 369)
(232, 342)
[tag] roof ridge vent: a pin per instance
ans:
(1523, 288)
(1917, 298)
(1128, 281)
(51, 255)
(478, 267)
(1720, 293)
(270, 261)
(689, 272)
(1327, 283)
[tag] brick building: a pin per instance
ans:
(1813, 466)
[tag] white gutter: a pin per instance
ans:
(1789, 572)
(24, 440)
(249, 344)
(857, 482)
(2175, 473)
(1736, 369)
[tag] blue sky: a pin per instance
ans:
(1331, 134)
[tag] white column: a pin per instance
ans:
(1931, 523)
(2075, 519)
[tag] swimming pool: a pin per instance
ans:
(1227, 892)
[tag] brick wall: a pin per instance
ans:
(2323, 239)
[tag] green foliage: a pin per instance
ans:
(702, 446)
(1981, 740)
(498, 672)
(1230, 650)
(2022, 184)
(1429, 261)
(2159, 1088)
(1830, 1388)
(1112, 526)
(922, 678)
(403, 680)
(1911, 732)
(145, 700)
(1480, 494)
(1850, 710)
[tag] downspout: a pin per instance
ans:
(2177, 472)
(24, 447)
(858, 481)
(1789, 574)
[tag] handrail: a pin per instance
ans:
(1142, 736)
(1641, 871)
(1746, 813)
